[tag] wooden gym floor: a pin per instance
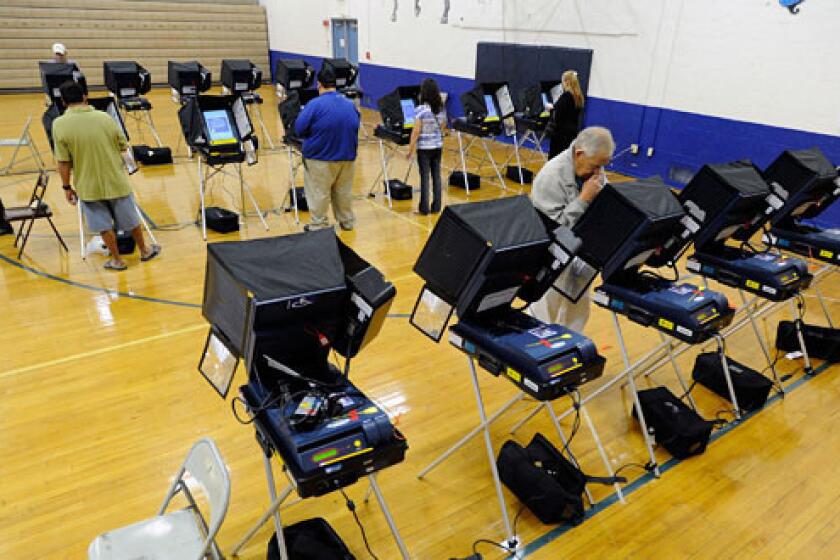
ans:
(100, 399)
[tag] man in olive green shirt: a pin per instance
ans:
(89, 144)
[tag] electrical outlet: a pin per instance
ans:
(650, 152)
(634, 149)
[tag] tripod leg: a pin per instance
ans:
(518, 162)
(145, 223)
(491, 457)
(82, 247)
(385, 160)
(761, 341)
(244, 188)
(152, 128)
(387, 513)
(677, 371)
(631, 381)
(292, 176)
(823, 306)
(797, 323)
(463, 163)
(272, 511)
(493, 163)
(201, 186)
(474, 432)
(724, 363)
(566, 446)
(601, 451)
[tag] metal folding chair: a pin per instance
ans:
(181, 534)
(36, 209)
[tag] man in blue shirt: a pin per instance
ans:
(329, 127)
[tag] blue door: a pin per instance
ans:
(345, 39)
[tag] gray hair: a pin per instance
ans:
(595, 141)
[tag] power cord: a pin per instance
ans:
(351, 506)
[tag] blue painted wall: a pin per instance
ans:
(682, 141)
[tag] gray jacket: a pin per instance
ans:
(555, 192)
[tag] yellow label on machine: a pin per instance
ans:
(666, 324)
(513, 374)
(223, 141)
(753, 285)
(825, 253)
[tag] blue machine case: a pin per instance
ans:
(771, 276)
(684, 311)
(336, 453)
(822, 245)
(546, 361)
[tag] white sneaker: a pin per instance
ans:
(97, 245)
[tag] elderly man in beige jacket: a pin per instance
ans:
(563, 190)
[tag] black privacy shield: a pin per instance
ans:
(625, 220)
(651, 196)
(281, 267)
(504, 223)
(727, 200)
(466, 233)
(813, 160)
(265, 270)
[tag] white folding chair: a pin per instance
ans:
(183, 534)
(23, 141)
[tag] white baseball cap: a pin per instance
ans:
(59, 48)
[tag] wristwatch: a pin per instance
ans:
(67, 187)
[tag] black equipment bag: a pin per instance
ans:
(751, 388)
(125, 243)
(456, 179)
(300, 197)
(148, 155)
(822, 343)
(310, 539)
(221, 220)
(399, 190)
(545, 481)
(675, 426)
(512, 173)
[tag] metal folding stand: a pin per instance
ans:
(252, 105)
(464, 154)
(511, 541)
(290, 202)
(243, 188)
(519, 143)
(273, 510)
(387, 152)
(140, 116)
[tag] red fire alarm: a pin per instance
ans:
(326, 23)
(367, 55)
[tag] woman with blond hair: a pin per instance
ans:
(565, 115)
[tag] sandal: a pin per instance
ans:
(110, 264)
(152, 254)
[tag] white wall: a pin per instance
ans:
(747, 60)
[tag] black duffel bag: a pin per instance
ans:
(822, 343)
(545, 481)
(310, 539)
(674, 425)
(751, 388)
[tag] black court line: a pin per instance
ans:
(128, 295)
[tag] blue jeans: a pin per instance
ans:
(429, 163)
